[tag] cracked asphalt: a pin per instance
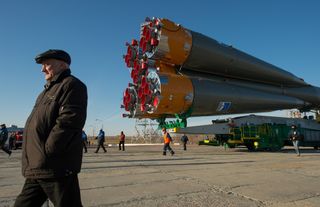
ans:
(202, 176)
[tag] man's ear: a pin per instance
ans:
(64, 65)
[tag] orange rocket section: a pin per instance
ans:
(175, 42)
(176, 91)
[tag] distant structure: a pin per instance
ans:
(294, 114)
(14, 128)
(314, 114)
(146, 132)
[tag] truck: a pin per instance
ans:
(18, 135)
(259, 132)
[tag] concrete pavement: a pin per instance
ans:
(201, 176)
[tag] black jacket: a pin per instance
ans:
(296, 136)
(52, 144)
(3, 136)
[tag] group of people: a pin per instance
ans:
(100, 141)
(7, 142)
(167, 140)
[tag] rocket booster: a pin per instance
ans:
(178, 72)
(198, 52)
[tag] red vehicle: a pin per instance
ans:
(19, 139)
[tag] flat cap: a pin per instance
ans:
(53, 54)
(2, 125)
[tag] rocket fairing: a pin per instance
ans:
(179, 72)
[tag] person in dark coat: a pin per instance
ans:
(52, 146)
(295, 138)
(84, 141)
(4, 138)
(184, 140)
(12, 140)
(101, 140)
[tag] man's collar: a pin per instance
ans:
(57, 78)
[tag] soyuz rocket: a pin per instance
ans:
(177, 72)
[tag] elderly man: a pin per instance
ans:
(52, 147)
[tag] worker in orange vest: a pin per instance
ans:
(167, 139)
